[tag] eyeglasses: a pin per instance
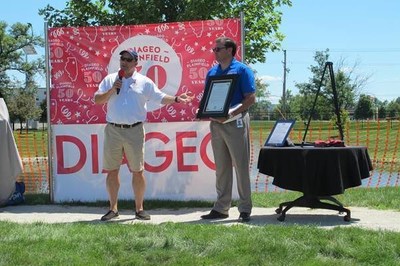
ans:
(126, 59)
(217, 49)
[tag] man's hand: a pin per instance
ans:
(184, 98)
(117, 85)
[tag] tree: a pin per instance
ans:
(393, 108)
(12, 40)
(364, 108)
(290, 107)
(20, 96)
(262, 18)
(347, 86)
(382, 112)
(308, 90)
(260, 108)
(22, 106)
(43, 116)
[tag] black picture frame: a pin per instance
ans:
(217, 96)
(279, 133)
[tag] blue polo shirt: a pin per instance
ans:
(245, 83)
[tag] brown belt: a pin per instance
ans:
(124, 125)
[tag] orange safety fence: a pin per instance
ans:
(32, 148)
(381, 137)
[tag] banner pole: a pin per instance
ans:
(242, 35)
(49, 135)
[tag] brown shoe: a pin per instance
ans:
(110, 215)
(214, 215)
(142, 215)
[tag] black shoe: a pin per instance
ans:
(214, 215)
(142, 215)
(244, 217)
(110, 215)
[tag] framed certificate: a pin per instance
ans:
(279, 133)
(217, 96)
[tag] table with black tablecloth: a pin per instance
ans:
(317, 172)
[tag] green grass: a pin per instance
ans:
(189, 244)
(95, 243)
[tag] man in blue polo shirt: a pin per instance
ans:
(230, 140)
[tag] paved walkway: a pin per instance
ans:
(360, 217)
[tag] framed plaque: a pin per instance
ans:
(279, 133)
(217, 96)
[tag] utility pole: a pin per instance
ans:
(284, 85)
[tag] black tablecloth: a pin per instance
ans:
(315, 171)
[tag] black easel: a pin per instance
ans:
(335, 102)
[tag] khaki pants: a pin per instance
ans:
(118, 141)
(231, 147)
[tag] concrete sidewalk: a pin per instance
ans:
(360, 217)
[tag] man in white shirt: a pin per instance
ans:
(126, 98)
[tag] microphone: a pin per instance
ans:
(121, 74)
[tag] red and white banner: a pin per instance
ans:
(176, 56)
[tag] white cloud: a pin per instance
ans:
(267, 78)
(346, 69)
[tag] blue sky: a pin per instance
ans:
(365, 32)
(362, 32)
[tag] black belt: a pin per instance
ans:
(124, 125)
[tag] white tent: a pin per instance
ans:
(10, 161)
